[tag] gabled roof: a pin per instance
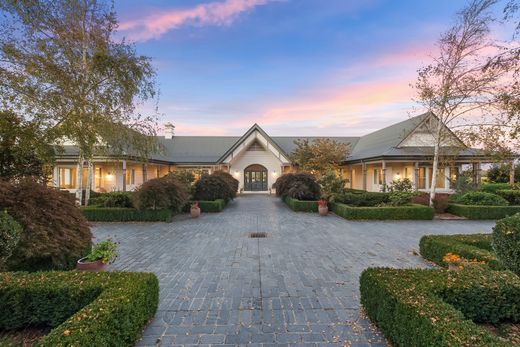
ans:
(248, 133)
(383, 141)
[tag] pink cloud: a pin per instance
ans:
(213, 13)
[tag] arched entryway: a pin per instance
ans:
(255, 178)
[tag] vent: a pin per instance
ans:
(258, 234)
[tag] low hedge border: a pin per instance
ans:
(111, 214)
(301, 205)
(84, 308)
(207, 206)
(414, 212)
(417, 307)
(475, 246)
(482, 212)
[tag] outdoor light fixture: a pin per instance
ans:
(398, 175)
(275, 173)
(237, 174)
(109, 176)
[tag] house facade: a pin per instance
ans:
(402, 150)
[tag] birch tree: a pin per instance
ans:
(61, 67)
(460, 87)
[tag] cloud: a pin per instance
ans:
(213, 13)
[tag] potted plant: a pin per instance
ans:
(322, 207)
(195, 210)
(101, 254)
(453, 261)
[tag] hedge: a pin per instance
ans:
(301, 205)
(111, 214)
(417, 307)
(83, 308)
(511, 195)
(482, 212)
(212, 206)
(493, 187)
(475, 246)
(416, 212)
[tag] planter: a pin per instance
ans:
(84, 265)
(195, 212)
(323, 211)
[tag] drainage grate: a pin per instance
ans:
(257, 234)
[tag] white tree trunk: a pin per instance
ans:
(88, 187)
(436, 150)
(79, 179)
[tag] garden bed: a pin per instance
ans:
(475, 246)
(114, 214)
(301, 205)
(83, 308)
(438, 307)
(482, 212)
(413, 212)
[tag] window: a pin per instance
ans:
(130, 176)
(98, 172)
(378, 176)
(406, 172)
(67, 178)
(440, 177)
(422, 178)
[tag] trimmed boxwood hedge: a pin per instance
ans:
(84, 308)
(475, 246)
(482, 212)
(417, 307)
(110, 214)
(301, 205)
(416, 212)
(212, 206)
(493, 187)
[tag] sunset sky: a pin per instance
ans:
(295, 67)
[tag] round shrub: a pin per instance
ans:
(230, 180)
(212, 187)
(55, 233)
(10, 231)
(164, 193)
(506, 242)
(301, 186)
(482, 199)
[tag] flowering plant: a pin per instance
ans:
(322, 203)
(451, 259)
(195, 204)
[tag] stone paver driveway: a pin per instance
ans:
(298, 286)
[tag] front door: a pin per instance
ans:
(255, 178)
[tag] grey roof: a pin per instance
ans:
(212, 149)
(382, 142)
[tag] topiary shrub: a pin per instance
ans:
(482, 199)
(212, 187)
(113, 199)
(164, 193)
(55, 233)
(230, 180)
(506, 242)
(10, 231)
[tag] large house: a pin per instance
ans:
(402, 150)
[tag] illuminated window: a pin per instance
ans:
(130, 176)
(378, 176)
(67, 178)
(440, 177)
(422, 178)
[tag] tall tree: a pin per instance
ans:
(460, 87)
(61, 67)
(319, 156)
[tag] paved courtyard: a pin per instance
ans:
(298, 286)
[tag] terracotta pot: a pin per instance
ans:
(85, 265)
(323, 211)
(195, 212)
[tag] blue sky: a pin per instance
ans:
(296, 67)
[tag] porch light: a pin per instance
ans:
(275, 173)
(398, 175)
(236, 174)
(109, 176)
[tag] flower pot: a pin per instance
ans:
(195, 212)
(85, 265)
(323, 211)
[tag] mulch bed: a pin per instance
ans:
(508, 331)
(25, 337)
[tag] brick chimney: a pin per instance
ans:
(169, 130)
